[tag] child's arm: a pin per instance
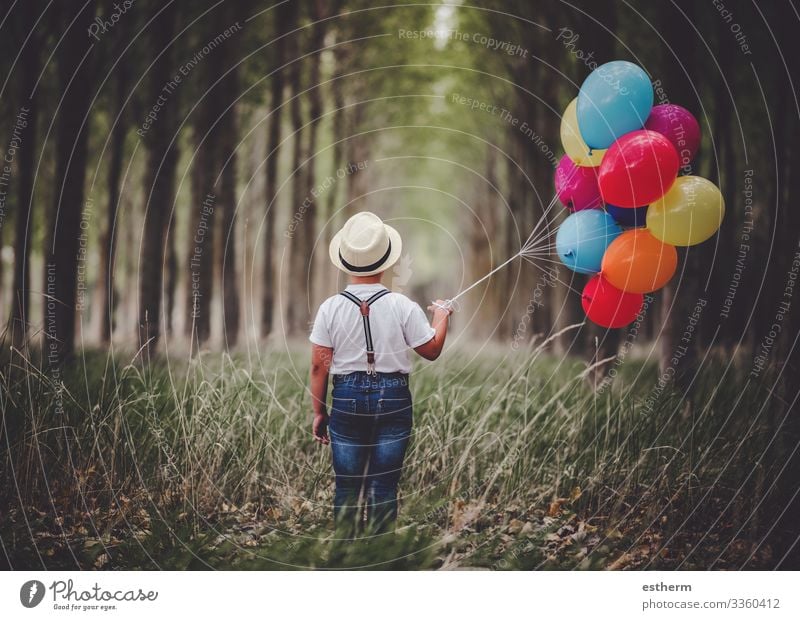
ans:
(433, 348)
(320, 363)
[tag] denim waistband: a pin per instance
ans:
(381, 380)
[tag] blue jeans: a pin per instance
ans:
(370, 426)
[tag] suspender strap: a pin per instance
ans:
(363, 306)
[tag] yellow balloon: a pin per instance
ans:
(688, 214)
(573, 143)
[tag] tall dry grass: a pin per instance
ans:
(515, 462)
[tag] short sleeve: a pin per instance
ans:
(320, 333)
(417, 330)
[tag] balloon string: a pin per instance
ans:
(488, 275)
(529, 247)
(533, 236)
(538, 245)
(556, 278)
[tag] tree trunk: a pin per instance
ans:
(309, 226)
(550, 313)
(204, 221)
(75, 72)
(791, 227)
(162, 157)
(332, 199)
(26, 163)
(228, 132)
(297, 242)
(508, 291)
(357, 152)
(107, 297)
(171, 288)
(284, 19)
(201, 221)
(483, 232)
(679, 297)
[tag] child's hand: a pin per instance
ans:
(320, 428)
(441, 307)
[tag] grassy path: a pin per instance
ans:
(515, 463)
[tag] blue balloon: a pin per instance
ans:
(616, 98)
(583, 237)
(628, 217)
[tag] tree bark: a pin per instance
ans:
(297, 245)
(26, 163)
(171, 288)
(207, 201)
(483, 232)
(284, 19)
(550, 313)
(309, 226)
(162, 157)
(75, 73)
(680, 295)
(201, 226)
(508, 293)
(357, 152)
(332, 199)
(228, 131)
(106, 292)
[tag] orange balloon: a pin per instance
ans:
(637, 262)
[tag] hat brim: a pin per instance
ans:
(394, 255)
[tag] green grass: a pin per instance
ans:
(515, 463)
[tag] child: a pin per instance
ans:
(362, 336)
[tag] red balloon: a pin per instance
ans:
(608, 306)
(639, 168)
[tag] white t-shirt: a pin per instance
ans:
(397, 324)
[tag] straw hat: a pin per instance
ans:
(365, 245)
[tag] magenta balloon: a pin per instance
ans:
(679, 127)
(577, 186)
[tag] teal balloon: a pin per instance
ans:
(614, 99)
(583, 237)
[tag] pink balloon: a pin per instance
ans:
(679, 127)
(577, 186)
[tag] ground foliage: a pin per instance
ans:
(516, 463)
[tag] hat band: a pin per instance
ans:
(371, 267)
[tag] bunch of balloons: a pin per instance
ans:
(629, 207)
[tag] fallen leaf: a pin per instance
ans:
(515, 526)
(620, 562)
(555, 506)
